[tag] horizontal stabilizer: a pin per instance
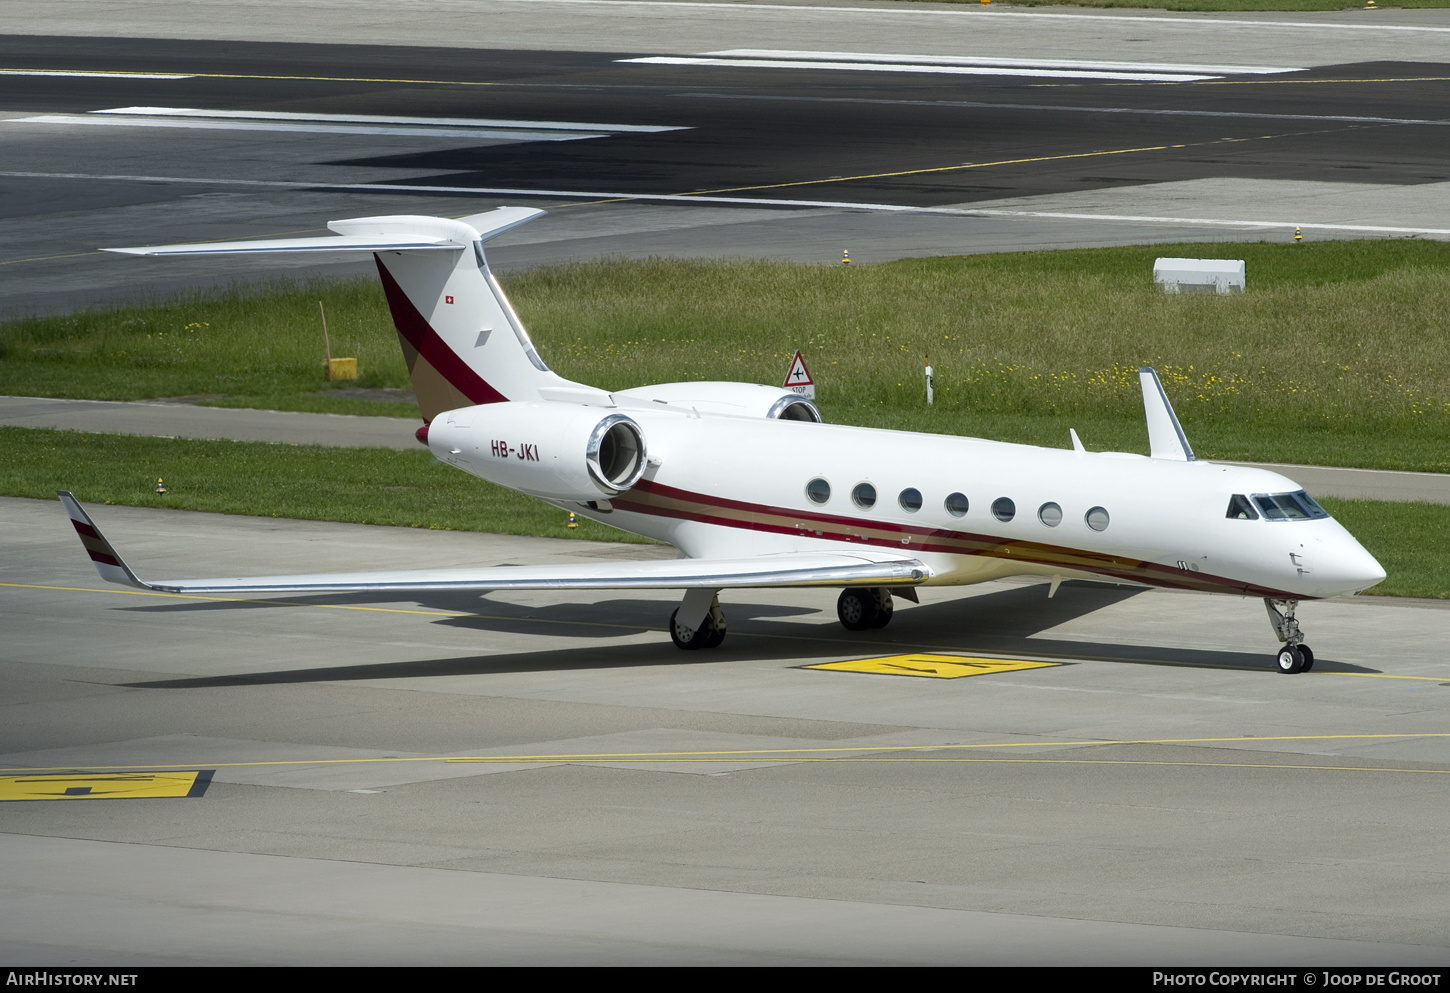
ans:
(332, 243)
(1165, 435)
(854, 568)
(392, 233)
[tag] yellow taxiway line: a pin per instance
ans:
(853, 753)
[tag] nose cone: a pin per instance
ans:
(1348, 568)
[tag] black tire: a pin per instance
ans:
(1308, 658)
(1290, 660)
(856, 609)
(713, 635)
(884, 609)
(685, 638)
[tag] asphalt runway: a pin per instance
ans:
(1332, 124)
(544, 778)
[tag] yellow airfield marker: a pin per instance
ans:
(931, 666)
(105, 786)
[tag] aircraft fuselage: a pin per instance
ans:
(972, 510)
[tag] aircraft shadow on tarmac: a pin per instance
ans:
(1001, 622)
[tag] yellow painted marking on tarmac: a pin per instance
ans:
(96, 786)
(849, 752)
(931, 666)
(1001, 162)
(1384, 675)
(932, 169)
(48, 258)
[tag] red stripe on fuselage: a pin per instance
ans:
(925, 539)
(414, 327)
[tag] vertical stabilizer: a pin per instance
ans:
(1165, 435)
(462, 341)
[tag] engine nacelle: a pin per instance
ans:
(557, 451)
(739, 399)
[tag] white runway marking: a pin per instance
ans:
(205, 124)
(93, 75)
(469, 122)
(955, 60)
(921, 67)
(740, 201)
(342, 124)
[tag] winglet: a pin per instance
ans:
(1165, 435)
(108, 561)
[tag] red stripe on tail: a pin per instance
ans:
(420, 334)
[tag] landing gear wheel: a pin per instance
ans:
(1291, 660)
(857, 610)
(713, 630)
(1308, 658)
(708, 635)
(687, 638)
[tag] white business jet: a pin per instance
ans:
(755, 491)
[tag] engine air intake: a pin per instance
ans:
(615, 455)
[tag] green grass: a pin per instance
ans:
(360, 485)
(1337, 354)
(250, 346)
(411, 489)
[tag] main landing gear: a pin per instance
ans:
(1295, 656)
(861, 609)
(698, 622)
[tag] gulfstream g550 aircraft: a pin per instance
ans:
(755, 491)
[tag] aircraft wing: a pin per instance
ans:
(829, 568)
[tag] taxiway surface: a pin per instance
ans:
(542, 777)
(545, 778)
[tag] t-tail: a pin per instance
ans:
(463, 343)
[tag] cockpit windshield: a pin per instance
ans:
(1239, 509)
(1297, 506)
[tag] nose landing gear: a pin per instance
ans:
(1295, 656)
(862, 609)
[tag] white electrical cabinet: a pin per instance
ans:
(1199, 275)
